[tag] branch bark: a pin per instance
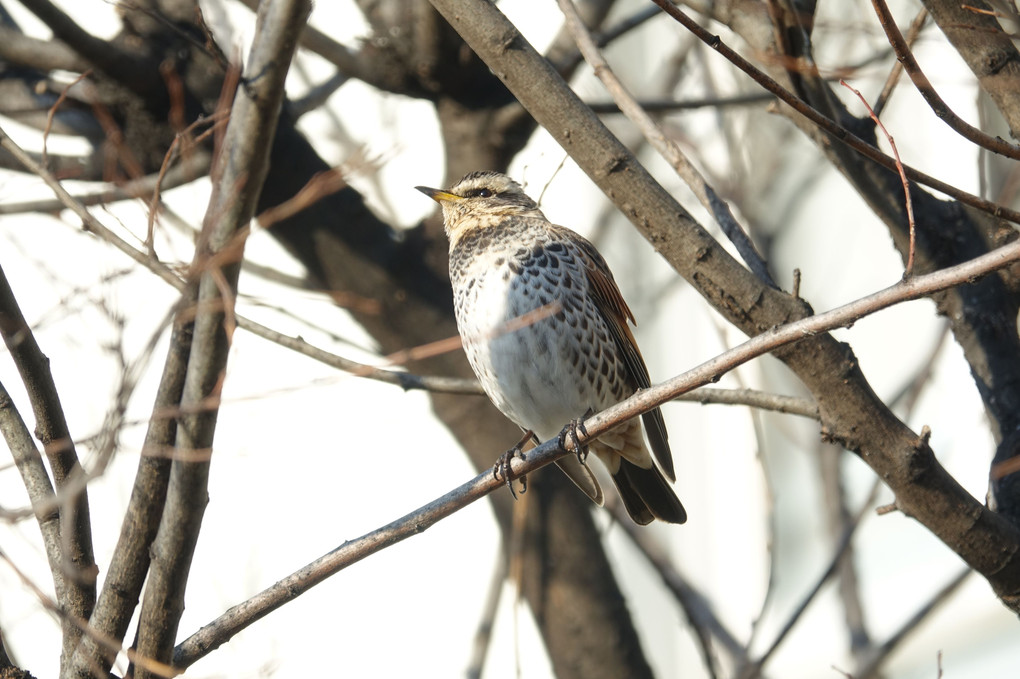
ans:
(73, 563)
(948, 233)
(851, 412)
(239, 171)
(989, 529)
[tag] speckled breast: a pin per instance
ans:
(553, 369)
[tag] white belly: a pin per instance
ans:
(541, 375)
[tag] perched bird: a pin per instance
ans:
(507, 261)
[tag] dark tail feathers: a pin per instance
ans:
(647, 495)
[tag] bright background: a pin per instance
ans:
(413, 609)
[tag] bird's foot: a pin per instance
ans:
(573, 433)
(502, 468)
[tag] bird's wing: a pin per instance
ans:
(616, 313)
(582, 477)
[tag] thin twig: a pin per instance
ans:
(839, 132)
(894, 75)
(666, 147)
(671, 105)
(406, 381)
(89, 222)
(197, 165)
(483, 634)
(909, 270)
(927, 90)
(870, 667)
(53, 112)
(215, 121)
(602, 38)
(220, 630)
(697, 607)
(754, 668)
(762, 400)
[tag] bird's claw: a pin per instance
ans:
(502, 468)
(573, 432)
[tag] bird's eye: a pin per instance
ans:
(484, 193)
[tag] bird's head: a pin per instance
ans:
(480, 200)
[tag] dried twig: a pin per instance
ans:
(839, 132)
(927, 90)
(666, 147)
(909, 270)
(217, 632)
(894, 75)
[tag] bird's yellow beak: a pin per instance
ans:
(438, 195)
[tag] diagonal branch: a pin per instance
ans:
(42, 55)
(666, 147)
(1005, 570)
(75, 563)
(851, 412)
(988, 50)
(837, 131)
(238, 173)
(894, 75)
(110, 59)
(927, 90)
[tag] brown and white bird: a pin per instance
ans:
(506, 261)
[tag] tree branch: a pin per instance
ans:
(668, 149)
(869, 668)
(988, 51)
(238, 173)
(131, 557)
(75, 562)
(927, 90)
(193, 166)
(40, 491)
(41, 55)
(113, 61)
(838, 132)
(1002, 570)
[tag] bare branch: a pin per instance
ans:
(872, 665)
(909, 270)
(112, 60)
(839, 132)
(238, 174)
(130, 562)
(706, 195)
(696, 606)
(43, 55)
(670, 105)
(754, 669)
(927, 90)
(565, 63)
(90, 223)
(74, 560)
(406, 381)
(792, 405)
(37, 483)
(483, 635)
(1004, 571)
(894, 75)
(989, 52)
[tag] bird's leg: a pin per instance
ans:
(502, 466)
(571, 432)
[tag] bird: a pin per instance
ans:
(545, 329)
